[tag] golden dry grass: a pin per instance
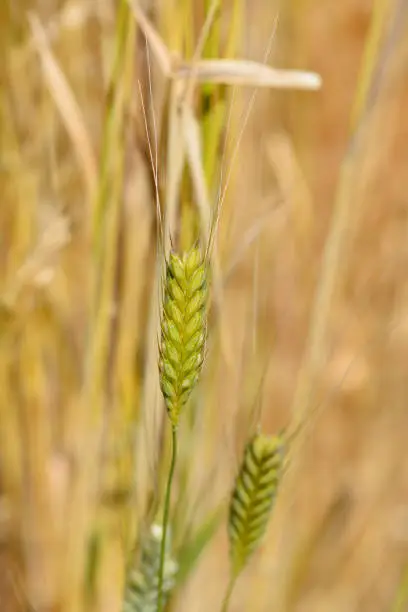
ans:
(79, 457)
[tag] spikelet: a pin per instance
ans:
(142, 583)
(183, 329)
(253, 496)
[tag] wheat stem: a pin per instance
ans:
(228, 593)
(166, 517)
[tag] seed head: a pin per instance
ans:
(183, 329)
(253, 496)
(142, 584)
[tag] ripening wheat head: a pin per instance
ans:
(253, 496)
(142, 583)
(183, 328)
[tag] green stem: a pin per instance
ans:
(228, 593)
(166, 517)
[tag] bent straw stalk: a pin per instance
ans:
(252, 500)
(183, 329)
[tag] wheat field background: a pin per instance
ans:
(318, 177)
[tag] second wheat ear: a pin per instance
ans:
(252, 500)
(183, 329)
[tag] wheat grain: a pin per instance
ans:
(253, 496)
(183, 328)
(142, 583)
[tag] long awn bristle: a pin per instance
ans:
(183, 328)
(253, 496)
(141, 588)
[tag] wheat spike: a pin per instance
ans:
(142, 582)
(253, 496)
(183, 328)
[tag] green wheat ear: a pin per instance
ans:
(142, 582)
(253, 496)
(183, 328)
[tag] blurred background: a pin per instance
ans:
(309, 331)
